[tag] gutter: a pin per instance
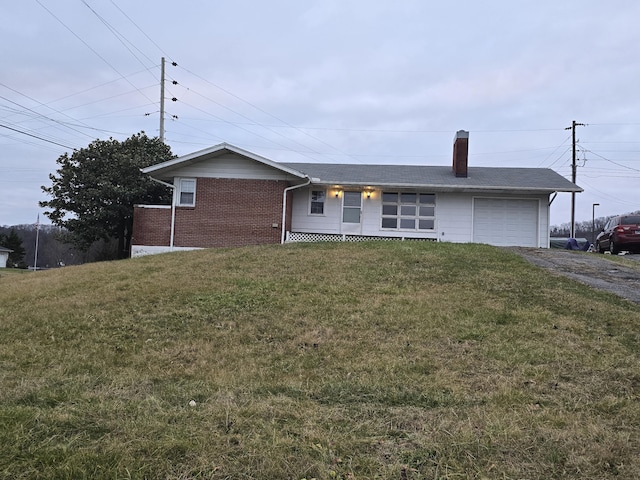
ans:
(284, 204)
(173, 209)
(437, 188)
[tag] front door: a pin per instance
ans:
(351, 213)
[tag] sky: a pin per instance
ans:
(336, 81)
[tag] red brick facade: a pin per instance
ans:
(151, 226)
(228, 213)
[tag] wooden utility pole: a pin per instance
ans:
(162, 101)
(573, 175)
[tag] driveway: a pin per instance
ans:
(593, 269)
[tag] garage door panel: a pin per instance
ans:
(505, 222)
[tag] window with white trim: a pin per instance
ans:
(187, 192)
(408, 211)
(316, 202)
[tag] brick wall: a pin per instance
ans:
(151, 226)
(228, 213)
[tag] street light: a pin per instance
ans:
(593, 222)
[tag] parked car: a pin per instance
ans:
(620, 233)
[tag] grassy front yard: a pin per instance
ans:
(400, 360)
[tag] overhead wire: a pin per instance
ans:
(130, 46)
(245, 117)
(235, 96)
(554, 151)
(247, 130)
(90, 48)
(140, 29)
(611, 161)
(39, 115)
(36, 136)
(79, 123)
(282, 123)
(120, 37)
(609, 197)
(301, 130)
(26, 111)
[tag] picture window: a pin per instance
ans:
(408, 211)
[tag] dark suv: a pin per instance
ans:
(620, 233)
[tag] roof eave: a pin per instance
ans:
(447, 188)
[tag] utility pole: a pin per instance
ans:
(573, 175)
(35, 255)
(162, 101)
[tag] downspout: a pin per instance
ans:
(284, 204)
(555, 194)
(173, 209)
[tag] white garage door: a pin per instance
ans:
(504, 222)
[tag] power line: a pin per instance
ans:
(74, 94)
(37, 114)
(249, 131)
(36, 136)
(121, 38)
(302, 130)
(615, 199)
(91, 48)
(611, 161)
(140, 29)
(26, 111)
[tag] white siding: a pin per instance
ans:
(331, 221)
(454, 217)
(230, 165)
(302, 221)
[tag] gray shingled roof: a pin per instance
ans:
(436, 177)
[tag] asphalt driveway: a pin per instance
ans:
(593, 269)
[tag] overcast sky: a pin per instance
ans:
(355, 81)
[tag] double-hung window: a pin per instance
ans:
(316, 202)
(408, 211)
(187, 192)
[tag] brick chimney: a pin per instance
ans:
(460, 153)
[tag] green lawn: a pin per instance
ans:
(399, 360)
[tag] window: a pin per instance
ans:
(187, 192)
(408, 211)
(316, 204)
(351, 205)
